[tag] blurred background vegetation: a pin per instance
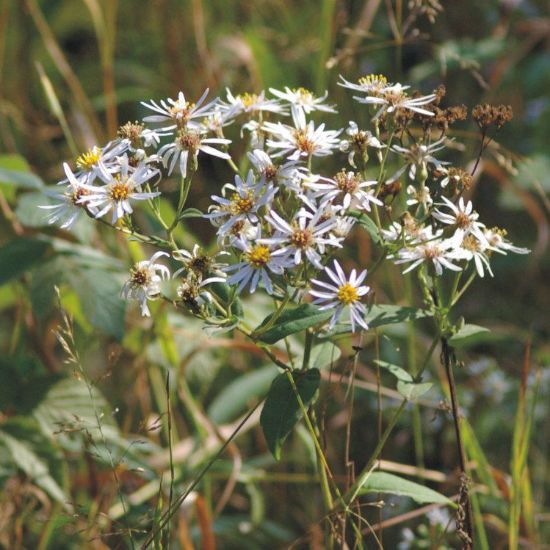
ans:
(71, 71)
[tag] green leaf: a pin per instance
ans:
(386, 314)
(382, 482)
(282, 410)
(398, 372)
(28, 211)
(190, 213)
(24, 447)
(367, 223)
(412, 392)
(291, 321)
(18, 255)
(324, 354)
(467, 335)
(14, 170)
(235, 397)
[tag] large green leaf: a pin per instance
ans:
(18, 255)
(24, 447)
(382, 482)
(234, 398)
(98, 289)
(468, 334)
(292, 321)
(282, 410)
(386, 314)
(14, 170)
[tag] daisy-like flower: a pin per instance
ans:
(70, 204)
(137, 139)
(438, 251)
(179, 113)
(463, 217)
(245, 200)
(251, 103)
(304, 238)
(395, 97)
(304, 99)
(193, 295)
(144, 282)
(456, 176)
(185, 149)
(120, 188)
(471, 249)
(369, 84)
(256, 262)
(358, 141)
(419, 196)
(96, 159)
(200, 264)
(341, 293)
(419, 157)
(302, 139)
(496, 241)
(282, 174)
(347, 189)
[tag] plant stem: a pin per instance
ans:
(466, 530)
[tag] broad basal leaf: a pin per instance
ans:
(282, 410)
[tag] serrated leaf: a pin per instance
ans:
(382, 482)
(467, 334)
(398, 372)
(367, 223)
(292, 321)
(411, 391)
(282, 410)
(18, 255)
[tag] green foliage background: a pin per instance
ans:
(76, 435)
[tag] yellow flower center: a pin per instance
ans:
(259, 256)
(303, 142)
(347, 182)
(471, 243)
(119, 191)
(180, 111)
(374, 81)
(301, 238)
(463, 220)
(189, 141)
(248, 100)
(89, 159)
(303, 93)
(241, 205)
(347, 294)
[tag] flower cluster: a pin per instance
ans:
(284, 216)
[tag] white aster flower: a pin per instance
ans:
(120, 188)
(185, 149)
(257, 261)
(144, 282)
(369, 84)
(279, 174)
(496, 241)
(252, 103)
(342, 293)
(472, 249)
(245, 200)
(395, 97)
(96, 159)
(419, 196)
(347, 189)
(419, 157)
(433, 249)
(463, 217)
(70, 203)
(358, 140)
(199, 265)
(302, 139)
(304, 99)
(179, 113)
(304, 238)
